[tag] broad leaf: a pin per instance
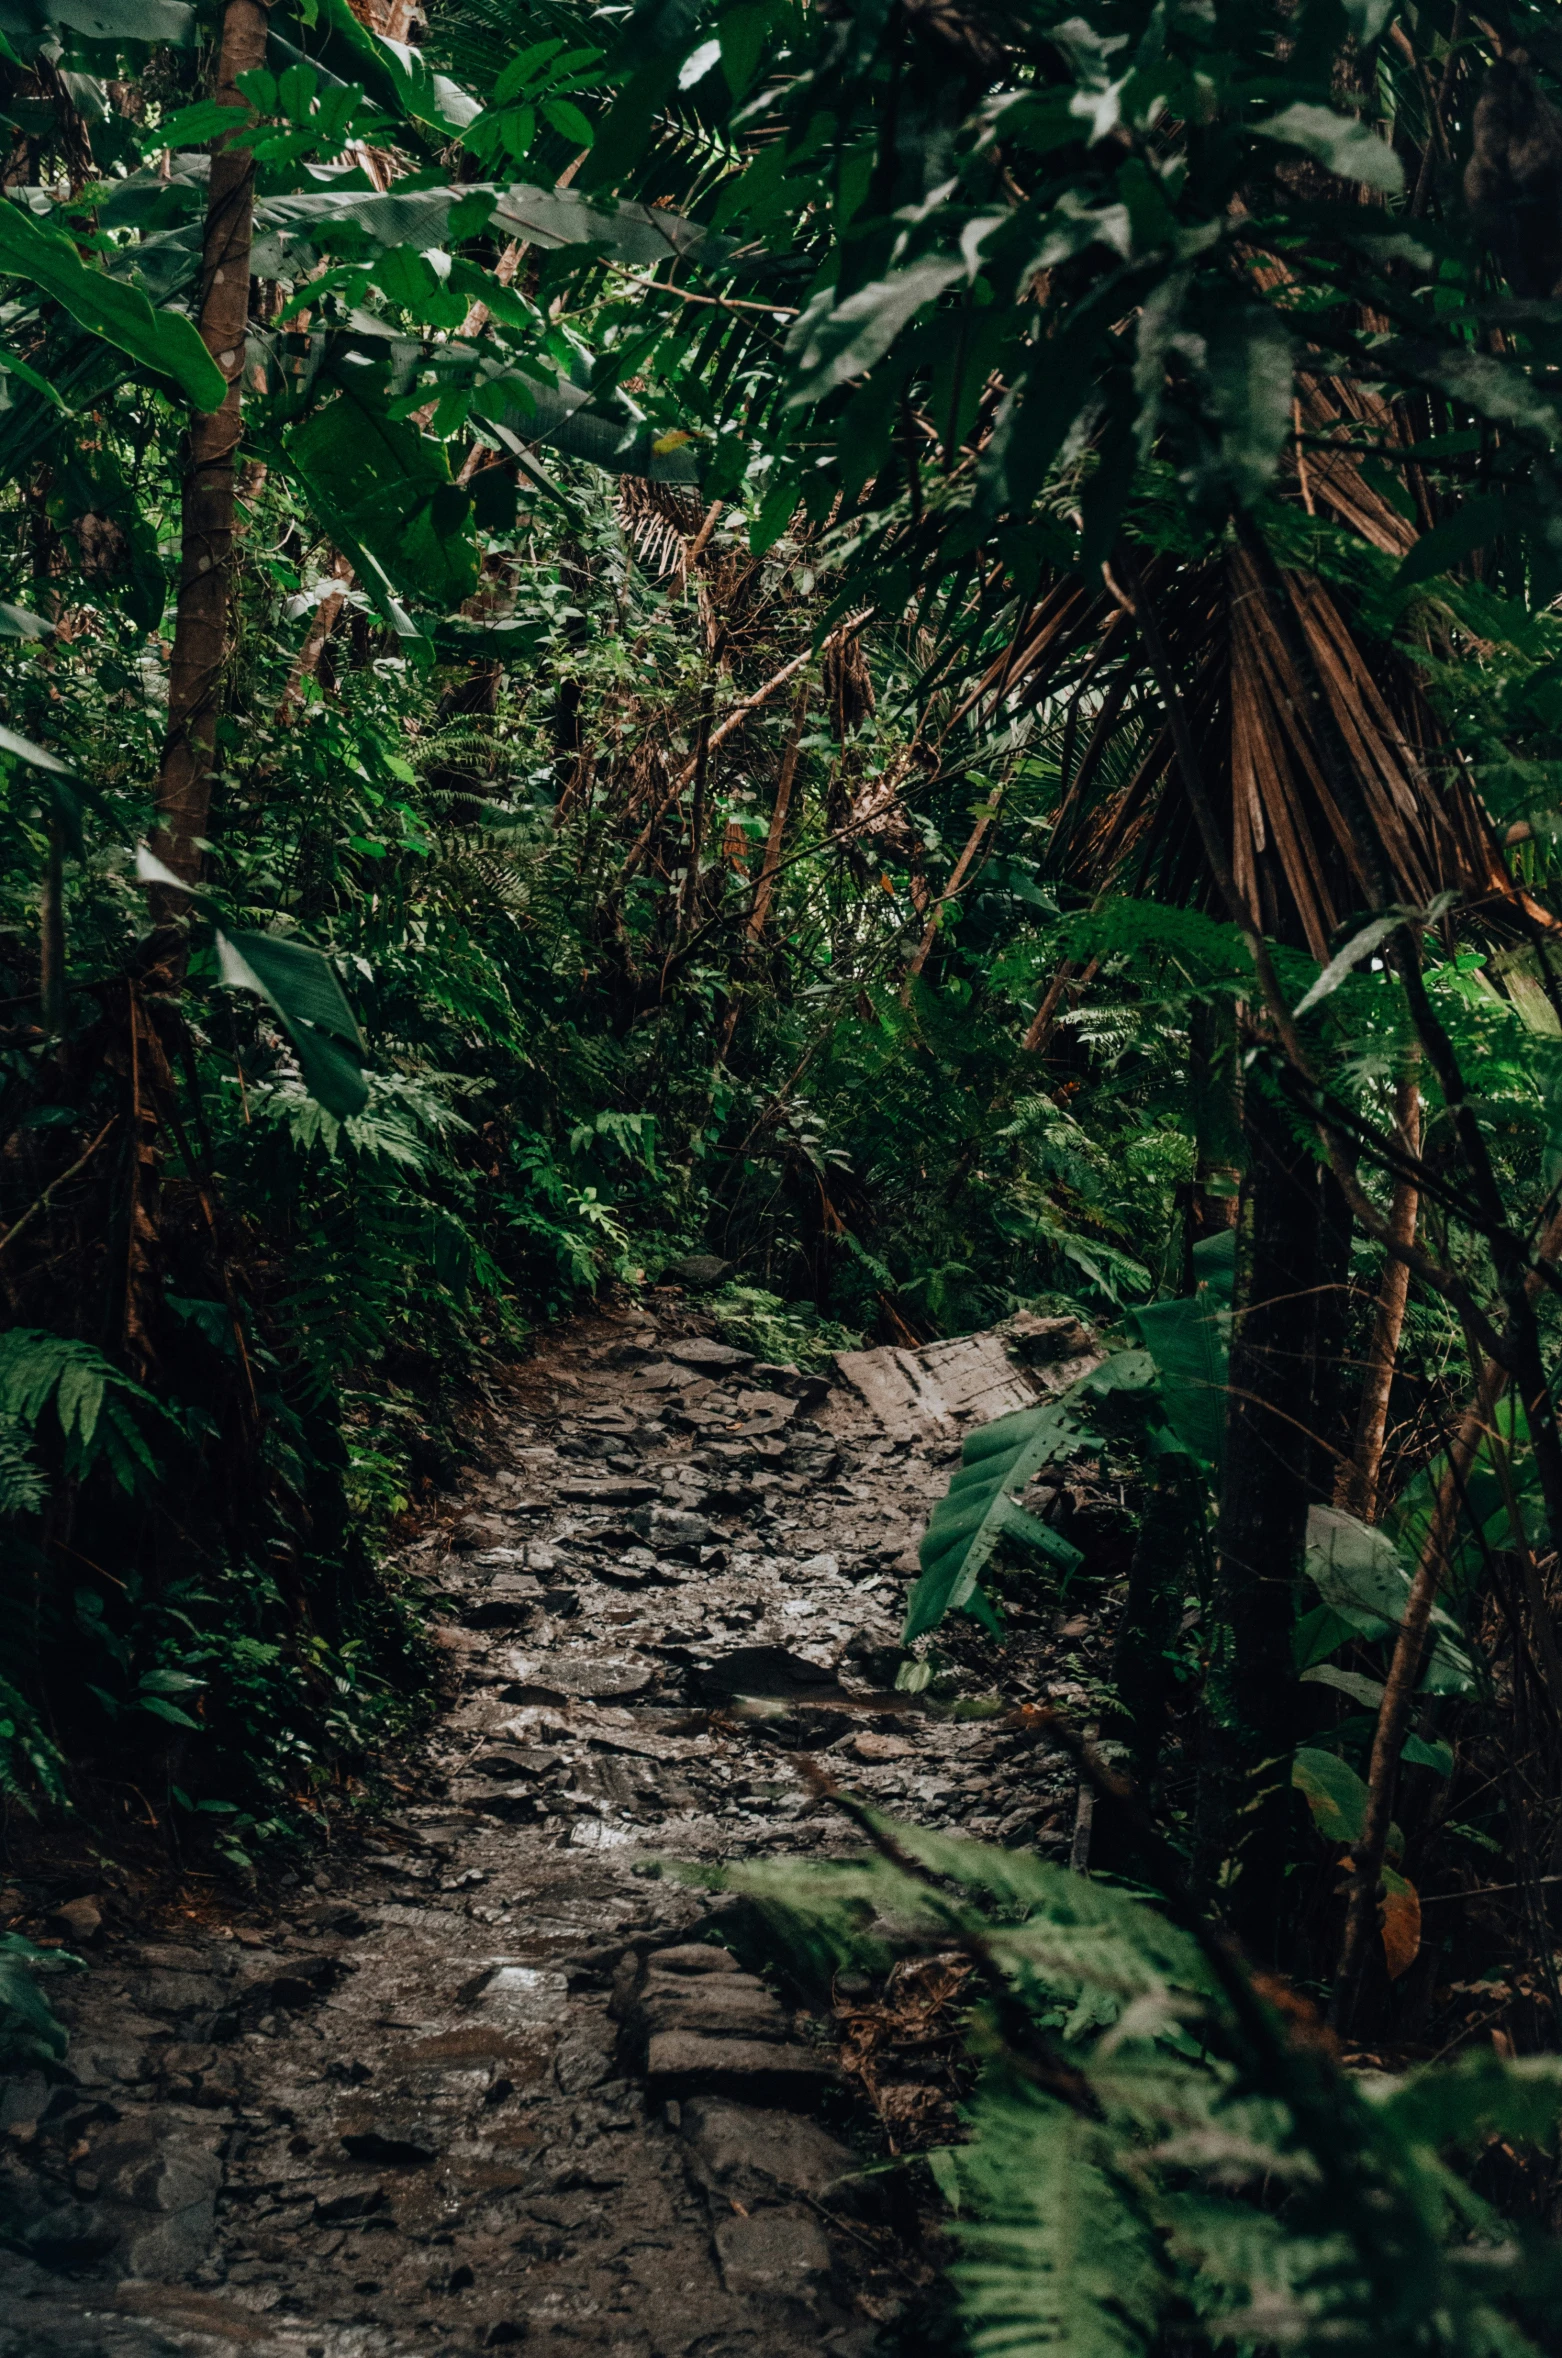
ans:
(164, 341)
(980, 1504)
(1341, 143)
(384, 489)
(300, 985)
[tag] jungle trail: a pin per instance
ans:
(780, 1178)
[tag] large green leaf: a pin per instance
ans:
(567, 419)
(164, 341)
(393, 74)
(1341, 143)
(981, 1505)
(28, 24)
(384, 489)
(1190, 1342)
(300, 984)
(1359, 1575)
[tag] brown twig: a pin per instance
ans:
(42, 1202)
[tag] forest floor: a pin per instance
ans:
(501, 2072)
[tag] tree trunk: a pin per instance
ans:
(1358, 1484)
(207, 493)
(1215, 1094)
(778, 817)
(1253, 1708)
(51, 935)
(1157, 1579)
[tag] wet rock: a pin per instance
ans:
(79, 1920)
(703, 1271)
(776, 2252)
(709, 1357)
(744, 2155)
(672, 1531)
(614, 1490)
(403, 2145)
(690, 2063)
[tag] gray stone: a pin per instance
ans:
(703, 1271)
(672, 1531)
(400, 2144)
(776, 2252)
(684, 2063)
(79, 1920)
(593, 1675)
(704, 1353)
(740, 2153)
(613, 1490)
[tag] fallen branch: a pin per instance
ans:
(43, 1201)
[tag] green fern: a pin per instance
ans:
(93, 1401)
(23, 1487)
(1180, 2162)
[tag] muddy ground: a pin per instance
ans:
(497, 2076)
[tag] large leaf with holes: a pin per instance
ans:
(384, 491)
(163, 341)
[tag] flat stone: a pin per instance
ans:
(78, 1919)
(362, 2198)
(683, 2063)
(709, 1356)
(590, 1675)
(777, 2251)
(616, 1490)
(703, 1271)
(872, 1746)
(521, 1996)
(738, 2151)
(693, 1957)
(941, 1389)
(715, 2004)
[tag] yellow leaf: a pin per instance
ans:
(1401, 1918)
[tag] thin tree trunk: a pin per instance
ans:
(1254, 1706)
(51, 935)
(184, 787)
(1357, 1490)
(1405, 1670)
(322, 623)
(962, 868)
(772, 861)
(1215, 1089)
(1044, 1022)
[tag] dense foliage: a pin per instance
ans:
(915, 647)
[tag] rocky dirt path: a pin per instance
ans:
(497, 2078)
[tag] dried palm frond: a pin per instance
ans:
(848, 686)
(1304, 852)
(661, 524)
